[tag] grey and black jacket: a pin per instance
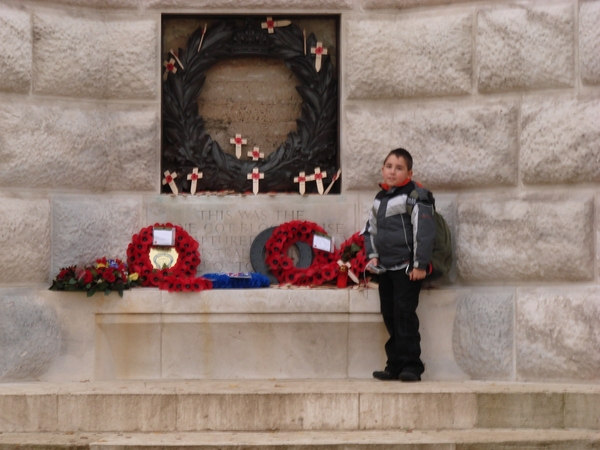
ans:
(396, 237)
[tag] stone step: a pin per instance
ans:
(286, 405)
(477, 439)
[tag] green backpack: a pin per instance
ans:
(441, 256)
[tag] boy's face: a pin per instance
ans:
(395, 171)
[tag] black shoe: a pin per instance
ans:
(385, 375)
(408, 376)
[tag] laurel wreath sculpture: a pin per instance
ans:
(186, 143)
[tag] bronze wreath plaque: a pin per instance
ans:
(186, 143)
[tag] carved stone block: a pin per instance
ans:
(451, 146)
(589, 42)
(560, 138)
(533, 237)
(525, 48)
(557, 334)
(15, 60)
(409, 56)
(25, 239)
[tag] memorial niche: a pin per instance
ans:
(313, 147)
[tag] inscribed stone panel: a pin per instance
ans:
(225, 227)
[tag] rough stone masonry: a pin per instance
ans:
(498, 102)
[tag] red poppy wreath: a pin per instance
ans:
(138, 256)
(323, 268)
(353, 251)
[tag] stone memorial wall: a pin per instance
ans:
(498, 102)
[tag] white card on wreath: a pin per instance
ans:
(324, 243)
(163, 236)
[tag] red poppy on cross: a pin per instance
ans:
(301, 179)
(169, 67)
(194, 177)
(238, 141)
(170, 180)
(318, 51)
(255, 154)
(255, 176)
(271, 24)
(318, 177)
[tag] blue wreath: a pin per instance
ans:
(224, 281)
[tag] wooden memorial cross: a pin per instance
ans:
(256, 154)
(194, 177)
(238, 141)
(335, 178)
(301, 179)
(169, 179)
(318, 177)
(271, 24)
(202, 38)
(318, 51)
(255, 176)
(169, 67)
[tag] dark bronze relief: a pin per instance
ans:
(186, 144)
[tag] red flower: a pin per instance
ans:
(290, 277)
(286, 263)
(66, 272)
(328, 274)
(109, 276)
(273, 261)
(86, 276)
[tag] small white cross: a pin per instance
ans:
(238, 141)
(194, 177)
(271, 24)
(169, 67)
(335, 178)
(255, 176)
(318, 51)
(202, 38)
(169, 179)
(176, 58)
(301, 179)
(318, 177)
(256, 154)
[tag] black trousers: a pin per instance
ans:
(399, 298)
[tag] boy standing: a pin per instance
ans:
(400, 243)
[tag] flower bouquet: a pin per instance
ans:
(105, 275)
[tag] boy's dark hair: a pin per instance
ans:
(401, 153)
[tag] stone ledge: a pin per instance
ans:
(481, 439)
(296, 405)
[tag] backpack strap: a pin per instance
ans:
(418, 194)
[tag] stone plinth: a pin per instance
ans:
(239, 334)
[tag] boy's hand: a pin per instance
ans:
(417, 274)
(373, 262)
